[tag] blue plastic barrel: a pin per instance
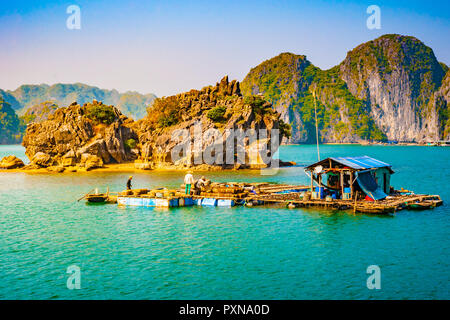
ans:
(209, 202)
(225, 203)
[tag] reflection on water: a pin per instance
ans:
(221, 253)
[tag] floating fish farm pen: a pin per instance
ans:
(359, 184)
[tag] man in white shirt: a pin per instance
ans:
(188, 181)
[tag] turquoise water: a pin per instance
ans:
(222, 253)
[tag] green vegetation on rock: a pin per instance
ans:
(165, 112)
(100, 113)
(217, 114)
(216, 106)
(130, 144)
(11, 128)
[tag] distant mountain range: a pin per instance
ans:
(132, 104)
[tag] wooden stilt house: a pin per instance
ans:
(342, 177)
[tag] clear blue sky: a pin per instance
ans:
(165, 47)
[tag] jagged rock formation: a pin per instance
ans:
(389, 88)
(213, 110)
(93, 133)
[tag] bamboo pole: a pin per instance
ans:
(317, 125)
(85, 195)
(351, 184)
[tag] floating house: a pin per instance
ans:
(344, 177)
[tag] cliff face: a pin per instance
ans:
(389, 88)
(280, 80)
(94, 134)
(289, 82)
(398, 77)
(441, 104)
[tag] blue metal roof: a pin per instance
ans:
(361, 163)
(357, 163)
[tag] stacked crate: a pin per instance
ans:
(224, 192)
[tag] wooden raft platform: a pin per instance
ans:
(292, 196)
(389, 205)
(254, 194)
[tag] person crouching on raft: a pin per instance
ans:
(201, 182)
(129, 183)
(188, 181)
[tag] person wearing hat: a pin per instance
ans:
(188, 181)
(129, 183)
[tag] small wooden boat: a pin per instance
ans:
(437, 202)
(97, 198)
(423, 205)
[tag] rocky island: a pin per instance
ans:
(92, 135)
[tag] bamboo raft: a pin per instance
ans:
(256, 194)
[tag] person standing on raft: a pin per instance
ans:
(129, 183)
(188, 181)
